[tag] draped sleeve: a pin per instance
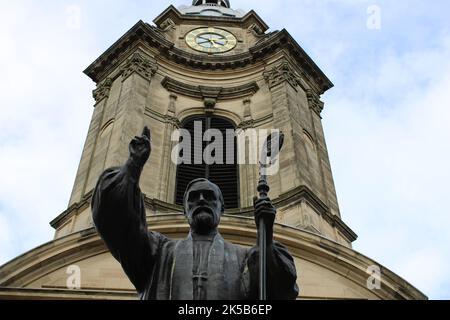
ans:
(281, 273)
(119, 215)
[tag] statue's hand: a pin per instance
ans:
(141, 148)
(265, 210)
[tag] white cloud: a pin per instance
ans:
(429, 269)
(386, 121)
(43, 120)
(390, 158)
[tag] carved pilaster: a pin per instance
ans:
(172, 104)
(169, 168)
(102, 91)
(314, 102)
(247, 110)
(248, 122)
(282, 73)
(140, 64)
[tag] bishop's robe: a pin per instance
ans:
(190, 269)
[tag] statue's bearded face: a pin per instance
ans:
(203, 207)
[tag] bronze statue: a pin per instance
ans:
(203, 266)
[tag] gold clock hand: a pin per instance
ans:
(215, 43)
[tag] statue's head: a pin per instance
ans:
(203, 205)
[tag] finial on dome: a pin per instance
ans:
(220, 3)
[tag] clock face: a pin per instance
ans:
(211, 40)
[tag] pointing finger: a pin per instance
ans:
(146, 133)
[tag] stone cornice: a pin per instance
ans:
(162, 118)
(147, 35)
(308, 246)
(205, 92)
(64, 294)
(119, 51)
(73, 209)
(254, 123)
(247, 124)
(306, 194)
(299, 193)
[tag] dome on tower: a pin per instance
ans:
(214, 8)
(220, 3)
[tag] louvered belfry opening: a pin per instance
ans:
(224, 175)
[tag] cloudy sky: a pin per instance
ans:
(387, 121)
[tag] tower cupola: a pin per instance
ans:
(219, 3)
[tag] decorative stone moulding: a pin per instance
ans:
(140, 64)
(314, 102)
(102, 90)
(206, 92)
(283, 73)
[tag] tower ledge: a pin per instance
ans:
(143, 32)
(329, 270)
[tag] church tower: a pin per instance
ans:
(220, 68)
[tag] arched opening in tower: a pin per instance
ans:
(224, 172)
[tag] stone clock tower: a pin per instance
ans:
(221, 67)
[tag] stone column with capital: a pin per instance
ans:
(118, 115)
(136, 76)
(282, 83)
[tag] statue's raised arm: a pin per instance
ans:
(203, 266)
(119, 214)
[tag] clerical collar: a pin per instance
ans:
(199, 237)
